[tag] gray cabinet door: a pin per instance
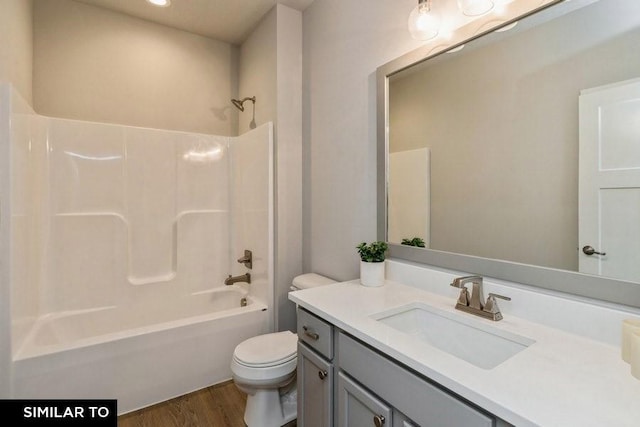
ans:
(357, 407)
(315, 386)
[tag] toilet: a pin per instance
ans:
(264, 367)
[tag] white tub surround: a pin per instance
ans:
(117, 243)
(573, 375)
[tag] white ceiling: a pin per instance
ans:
(227, 20)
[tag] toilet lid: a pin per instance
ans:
(267, 350)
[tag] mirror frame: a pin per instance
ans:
(564, 281)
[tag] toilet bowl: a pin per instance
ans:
(264, 367)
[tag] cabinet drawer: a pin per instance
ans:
(316, 333)
(423, 402)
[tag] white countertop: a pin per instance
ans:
(562, 379)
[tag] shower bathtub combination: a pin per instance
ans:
(120, 240)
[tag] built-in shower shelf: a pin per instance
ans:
(150, 280)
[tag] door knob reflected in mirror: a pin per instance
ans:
(588, 250)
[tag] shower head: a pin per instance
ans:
(239, 103)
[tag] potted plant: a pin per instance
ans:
(372, 263)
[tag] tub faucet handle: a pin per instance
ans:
(247, 259)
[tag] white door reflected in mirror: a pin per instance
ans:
(609, 202)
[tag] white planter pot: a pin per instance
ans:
(372, 273)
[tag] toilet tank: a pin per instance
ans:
(310, 280)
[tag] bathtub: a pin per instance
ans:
(139, 355)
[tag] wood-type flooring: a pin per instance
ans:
(221, 405)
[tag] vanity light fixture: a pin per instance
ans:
(424, 22)
(160, 3)
(475, 7)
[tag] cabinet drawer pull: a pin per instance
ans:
(322, 374)
(378, 420)
(310, 334)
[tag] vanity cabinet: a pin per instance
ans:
(344, 382)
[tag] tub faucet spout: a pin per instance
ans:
(236, 279)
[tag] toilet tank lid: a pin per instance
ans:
(311, 280)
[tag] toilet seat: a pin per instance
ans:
(278, 362)
(263, 376)
(266, 358)
(269, 350)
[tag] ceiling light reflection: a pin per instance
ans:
(86, 157)
(204, 156)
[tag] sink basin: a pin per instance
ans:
(468, 339)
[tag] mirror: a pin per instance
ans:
(501, 157)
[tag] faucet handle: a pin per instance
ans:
(463, 298)
(491, 306)
(499, 296)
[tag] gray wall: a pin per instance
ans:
(16, 45)
(344, 43)
(97, 65)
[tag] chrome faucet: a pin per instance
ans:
(475, 304)
(236, 279)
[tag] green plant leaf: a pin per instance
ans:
(372, 252)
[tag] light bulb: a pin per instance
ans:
(475, 7)
(160, 3)
(424, 23)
